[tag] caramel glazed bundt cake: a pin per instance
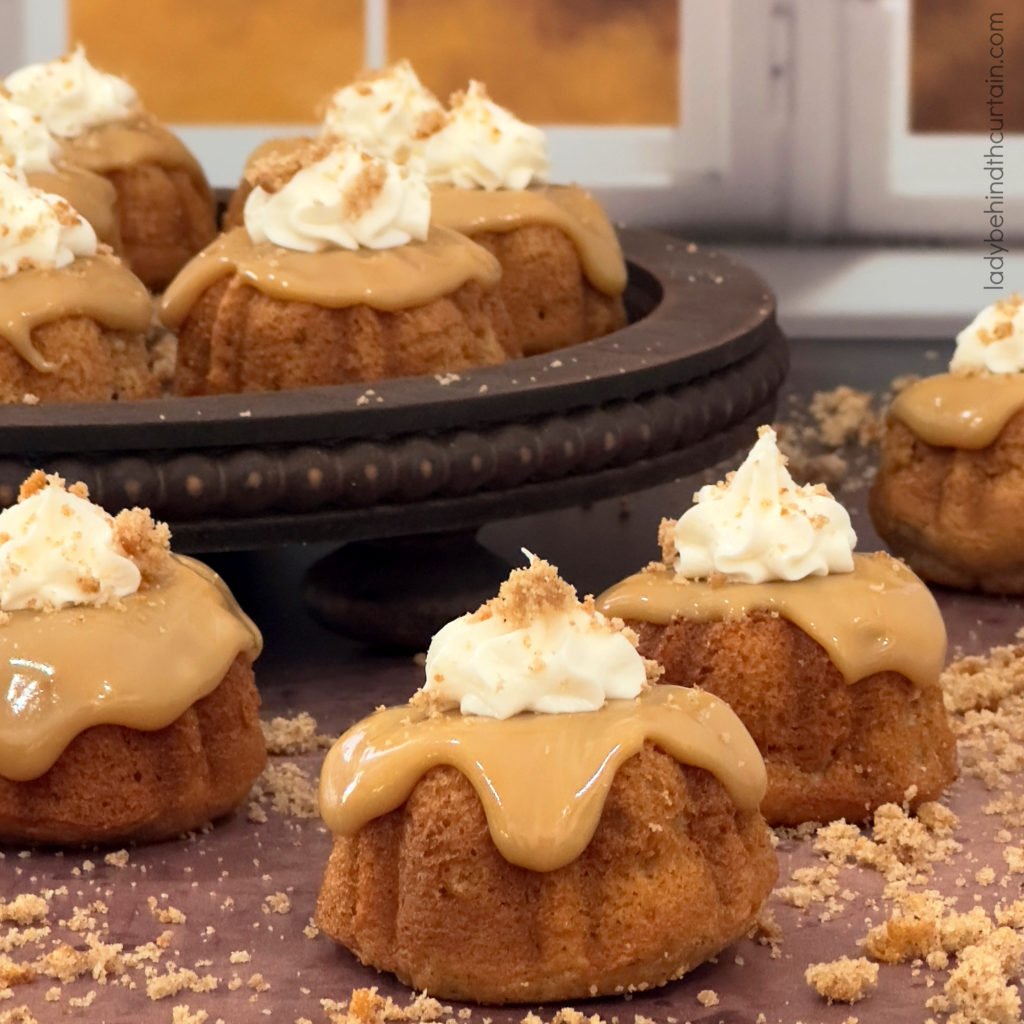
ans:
(539, 823)
(337, 277)
(948, 493)
(830, 658)
(164, 205)
(73, 318)
(130, 711)
(563, 274)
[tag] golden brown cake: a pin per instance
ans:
(947, 494)
(562, 271)
(165, 209)
(164, 203)
(835, 673)
(73, 319)
(255, 314)
(563, 274)
(630, 851)
(130, 710)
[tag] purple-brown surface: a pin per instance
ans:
(247, 889)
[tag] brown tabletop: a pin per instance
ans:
(247, 888)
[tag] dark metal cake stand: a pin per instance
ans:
(679, 388)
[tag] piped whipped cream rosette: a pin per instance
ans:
(384, 112)
(759, 525)
(346, 200)
(71, 96)
(41, 230)
(482, 145)
(26, 144)
(57, 548)
(993, 340)
(535, 647)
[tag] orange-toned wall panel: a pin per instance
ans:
(550, 61)
(234, 61)
(955, 49)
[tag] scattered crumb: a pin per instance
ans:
(843, 980)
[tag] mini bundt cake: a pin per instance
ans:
(73, 318)
(628, 851)
(130, 710)
(948, 492)
(362, 290)
(830, 659)
(164, 204)
(563, 274)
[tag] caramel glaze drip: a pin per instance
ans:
(97, 286)
(124, 144)
(568, 207)
(386, 279)
(90, 194)
(373, 768)
(878, 618)
(140, 665)
(966, 411)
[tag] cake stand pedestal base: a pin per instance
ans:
(399, 591)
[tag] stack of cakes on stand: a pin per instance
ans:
(337, 276)
(130, 711)
(540, 822)
(164, 207)
(830, 658)
(947, 496)
(73, 318)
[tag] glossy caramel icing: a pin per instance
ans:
(568, 207)
(98, 286)
(878, 618)
(140, 664)
(544, 817)
(959, 410)
(123, 144)
(90, 194)
(403, 277)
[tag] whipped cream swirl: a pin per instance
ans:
(71, 96)
(42, 230)
(384, 112)
(59, 549)
(482, 145)
(347, 200)
(25, 142)
(535, 647)
(758, 525)
(994, 339)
